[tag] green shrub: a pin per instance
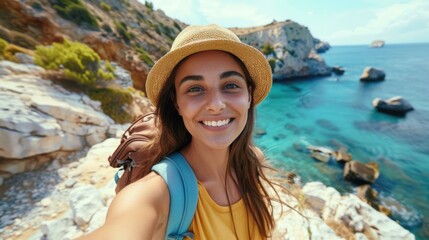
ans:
(3, 45)
(37, 6)
(292, 52)
(267, 49)
(112, 102)
(109, 66)
(176, 25)
(149, 5)
(106, 28)
(106, 7)
(75, 11)
(79, 61)
(272, 63)
(121, 28)
(144, 56)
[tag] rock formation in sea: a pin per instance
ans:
(395, 106)
(377, 44)
(371, 74)
(289, 47)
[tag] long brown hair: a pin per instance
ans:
(245, 158)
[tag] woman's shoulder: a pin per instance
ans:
(150, 189)
(148, 193)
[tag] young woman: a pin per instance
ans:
(205, 91)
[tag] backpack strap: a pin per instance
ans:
(183, 188)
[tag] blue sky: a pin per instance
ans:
(339, 22)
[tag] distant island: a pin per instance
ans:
(377, 44)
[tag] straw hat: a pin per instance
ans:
(194, 39)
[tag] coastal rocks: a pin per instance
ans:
(325, 154)
(358, 172)
(370, 196)
(338, 70)
(371, 74)
(342, 155)
(358, 216)
(293, 48)
(394, 106)
(321, 46)
(377, 44)
(322, 154)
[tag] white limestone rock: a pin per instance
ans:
(354, 213)
(21, 68)
(41, 117)
(85, 201)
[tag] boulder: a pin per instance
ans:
(371, 74)
(395, 106)
(358, 172)
(377, 44)
(370, 196)
(342, 155)
(322, 154)
(338, 70)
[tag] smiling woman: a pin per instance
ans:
(205, 91)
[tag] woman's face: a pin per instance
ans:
(212, 97)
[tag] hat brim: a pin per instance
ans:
(255, 62)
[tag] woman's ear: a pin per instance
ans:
(177, 108)
(250, 95)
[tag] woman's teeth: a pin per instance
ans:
(217, 123)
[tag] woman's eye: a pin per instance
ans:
(231, 86)
(195, 89)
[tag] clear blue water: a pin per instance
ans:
(337, 111)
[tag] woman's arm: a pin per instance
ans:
(139, 211)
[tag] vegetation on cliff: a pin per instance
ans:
(81, 65)
(75, 11)
(3, 45)
(78, 61)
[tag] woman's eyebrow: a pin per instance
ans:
(221, 76)
(230, 74)
(191, 78)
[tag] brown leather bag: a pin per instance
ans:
(132, 155)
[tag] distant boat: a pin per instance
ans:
(377, 44)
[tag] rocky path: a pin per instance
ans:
(31, 202)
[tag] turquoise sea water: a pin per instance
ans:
(337, 111)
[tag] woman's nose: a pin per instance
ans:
(215, 102)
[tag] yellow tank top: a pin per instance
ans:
(212, 221)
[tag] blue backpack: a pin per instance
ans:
(183, 188)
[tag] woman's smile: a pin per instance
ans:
(218, 123)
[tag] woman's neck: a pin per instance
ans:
(210, 168)
(207, 163)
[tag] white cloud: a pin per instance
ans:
(394, 20)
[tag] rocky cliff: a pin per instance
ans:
(289, 47)
(123, 31)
